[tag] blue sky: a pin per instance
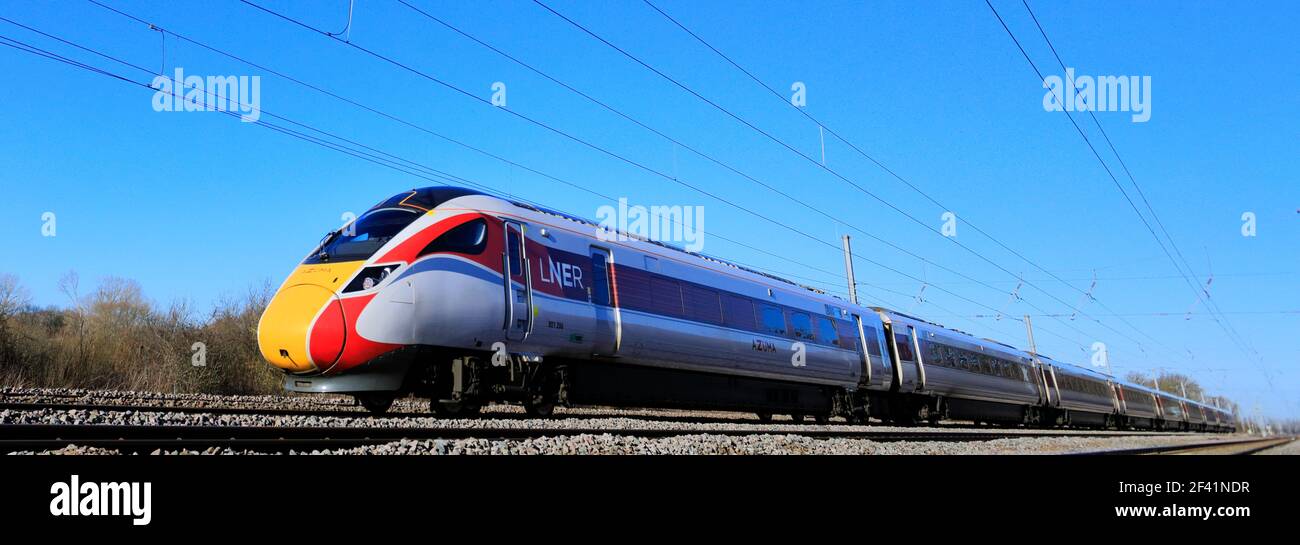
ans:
(198, 206)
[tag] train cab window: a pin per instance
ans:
(904, 344)
(826, 332)
(801, 326)
(364, 237)
(467, 238)
(600, 294)
(738, 312)
(773, 320)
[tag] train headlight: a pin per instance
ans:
(369, 278)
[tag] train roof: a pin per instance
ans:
(706, 257)
(1075, 368)
(430, 197)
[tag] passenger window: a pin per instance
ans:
(702, 304)
(738, 312)
(773, 319)
(848, 333)
(801, 325)
(904, 347)
(873, 340)
(826, 331)
(667, 296)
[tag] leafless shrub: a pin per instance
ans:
(116, 338)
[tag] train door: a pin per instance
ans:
(907, 372)
(916, 352)
(1045, 384)
(1035, 374)
(1054, 387)
(608, 332)
(863, 351)
(518, 284)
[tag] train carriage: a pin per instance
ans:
(1140, 407)
(1086, 397)
(958, 376)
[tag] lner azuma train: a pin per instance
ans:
(467, 298)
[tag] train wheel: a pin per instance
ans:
(454, 409)
(764, 416)
(540, 409)
(821, 419)
(797, 418)
(376, 402)
(923, 414)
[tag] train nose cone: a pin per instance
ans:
(302, 329)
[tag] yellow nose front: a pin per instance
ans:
(303, 327)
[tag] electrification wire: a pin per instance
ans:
(330, 145)
(641, 166)
(833, 172)
(887, 169)
(1114, 179)
(694, 150)
(1171, 313)
(378, 157)
(431, 132)
(594, 146)
(1210, 302)
(1133, 179)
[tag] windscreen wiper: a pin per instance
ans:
(324, 241)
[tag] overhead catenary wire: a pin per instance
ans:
(834, 173)
(1168, 313)
(426, 130)
(663, 175)
(593, 146)
(1160, 223)
(1112, 176)
(891, 172)
(369, 157)
(1211, 304)
(373, 155)
(678, 143)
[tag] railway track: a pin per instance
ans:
(343, 412)
(145, 439)
(192, 409)
(1228, 447)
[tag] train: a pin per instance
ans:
(468, 298)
